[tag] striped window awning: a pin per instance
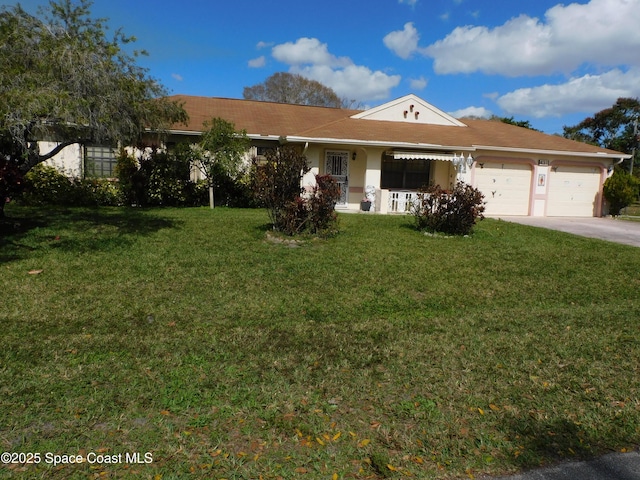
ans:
(443, 157)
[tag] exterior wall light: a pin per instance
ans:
(460, 161)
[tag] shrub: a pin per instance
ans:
(620, 190)
(11, 181)
(276, 182)
(452, 212)
(159, 178)
(131, 182)
(45, 185)
(95, 192)
(321, 205)
(229, 189)
(167, 177)
(276, 186)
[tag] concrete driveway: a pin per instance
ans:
(615, 466)
(614, 230)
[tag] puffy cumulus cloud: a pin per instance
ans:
(312, 59)
(589, 93)
(403, 43)
(307, 51)
(353, 82)
(258, 62)
(472, 112)
(602, 32)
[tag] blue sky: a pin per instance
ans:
(539, 60)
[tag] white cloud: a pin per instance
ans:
(478, 112)
(419, 83)
(353, 82)
(261, 45)
(307, 51)
(177, 76)
(411, 3)
(312, 59)
(403, 42)
(589, 93)
(258, 62)
(602, 32)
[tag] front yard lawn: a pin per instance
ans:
(186, 335)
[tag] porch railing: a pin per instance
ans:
(401, 201)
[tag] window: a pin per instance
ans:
(99, 161)
(404, 174)
(262, 151)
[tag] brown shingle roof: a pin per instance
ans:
(277, 119)
(257, 118)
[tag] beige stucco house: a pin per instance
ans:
(399, 146)
(392, 150)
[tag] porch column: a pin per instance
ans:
(373, 173)
(373, 167)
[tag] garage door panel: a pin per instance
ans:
(506, 188)
(574, 191)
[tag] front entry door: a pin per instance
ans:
(337, 165)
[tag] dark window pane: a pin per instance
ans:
(404, 174)
(100, 161)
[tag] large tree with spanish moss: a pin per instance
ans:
(66, 80)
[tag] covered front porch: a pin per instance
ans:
(391, 179)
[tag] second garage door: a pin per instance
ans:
(506, 187)
(573, 191)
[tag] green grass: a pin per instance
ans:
(379, 353)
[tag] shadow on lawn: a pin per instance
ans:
(25, 231)
(554, 440)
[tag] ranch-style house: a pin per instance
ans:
(388, 152)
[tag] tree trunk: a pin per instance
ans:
(211, 205)
(4, 195)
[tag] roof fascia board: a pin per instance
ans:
(253, 136)
(191, 133)
(370, 143)
(554, 152)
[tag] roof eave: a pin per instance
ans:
(381, 144)
(603, 155)
(459, 148)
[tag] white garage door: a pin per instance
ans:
(573, 191)
(506, 187)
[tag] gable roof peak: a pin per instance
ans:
(409, 109)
